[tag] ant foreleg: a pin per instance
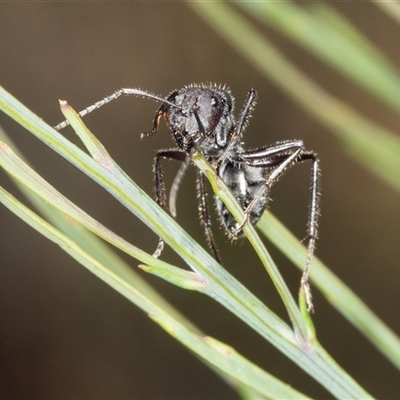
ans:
(159, 185)
(241, 124)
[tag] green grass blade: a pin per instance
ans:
(92, 244)
(219, 284)
(334, 20)
(336, 292)
(24, 174)
(217, 354)
(392, 8)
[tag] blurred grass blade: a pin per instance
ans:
(230, 362)
(359, 60)
(392, 8)
(220, 285)
(334, 20)
(26, 175)
(335, 291)
(373, 146)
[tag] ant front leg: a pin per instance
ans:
(159, 185)
(241, 124)
(161, 196)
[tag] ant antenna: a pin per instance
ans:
(114, 96)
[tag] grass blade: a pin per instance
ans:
(374, 147)
(335, 291)
(340, 46)
(218, 283)
(218, 354)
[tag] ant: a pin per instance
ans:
(201, 119)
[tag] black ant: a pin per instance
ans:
(201, 119)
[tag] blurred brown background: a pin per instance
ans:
(65, 334)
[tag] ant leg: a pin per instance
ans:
(245, 114)
(281, 156)
(204, 215)
(161, 197)
(173, 194)
(241, 124)
(267, 157)
(160, 192)
(270, 156)
(312, 224)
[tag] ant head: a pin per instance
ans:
(199, 113)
